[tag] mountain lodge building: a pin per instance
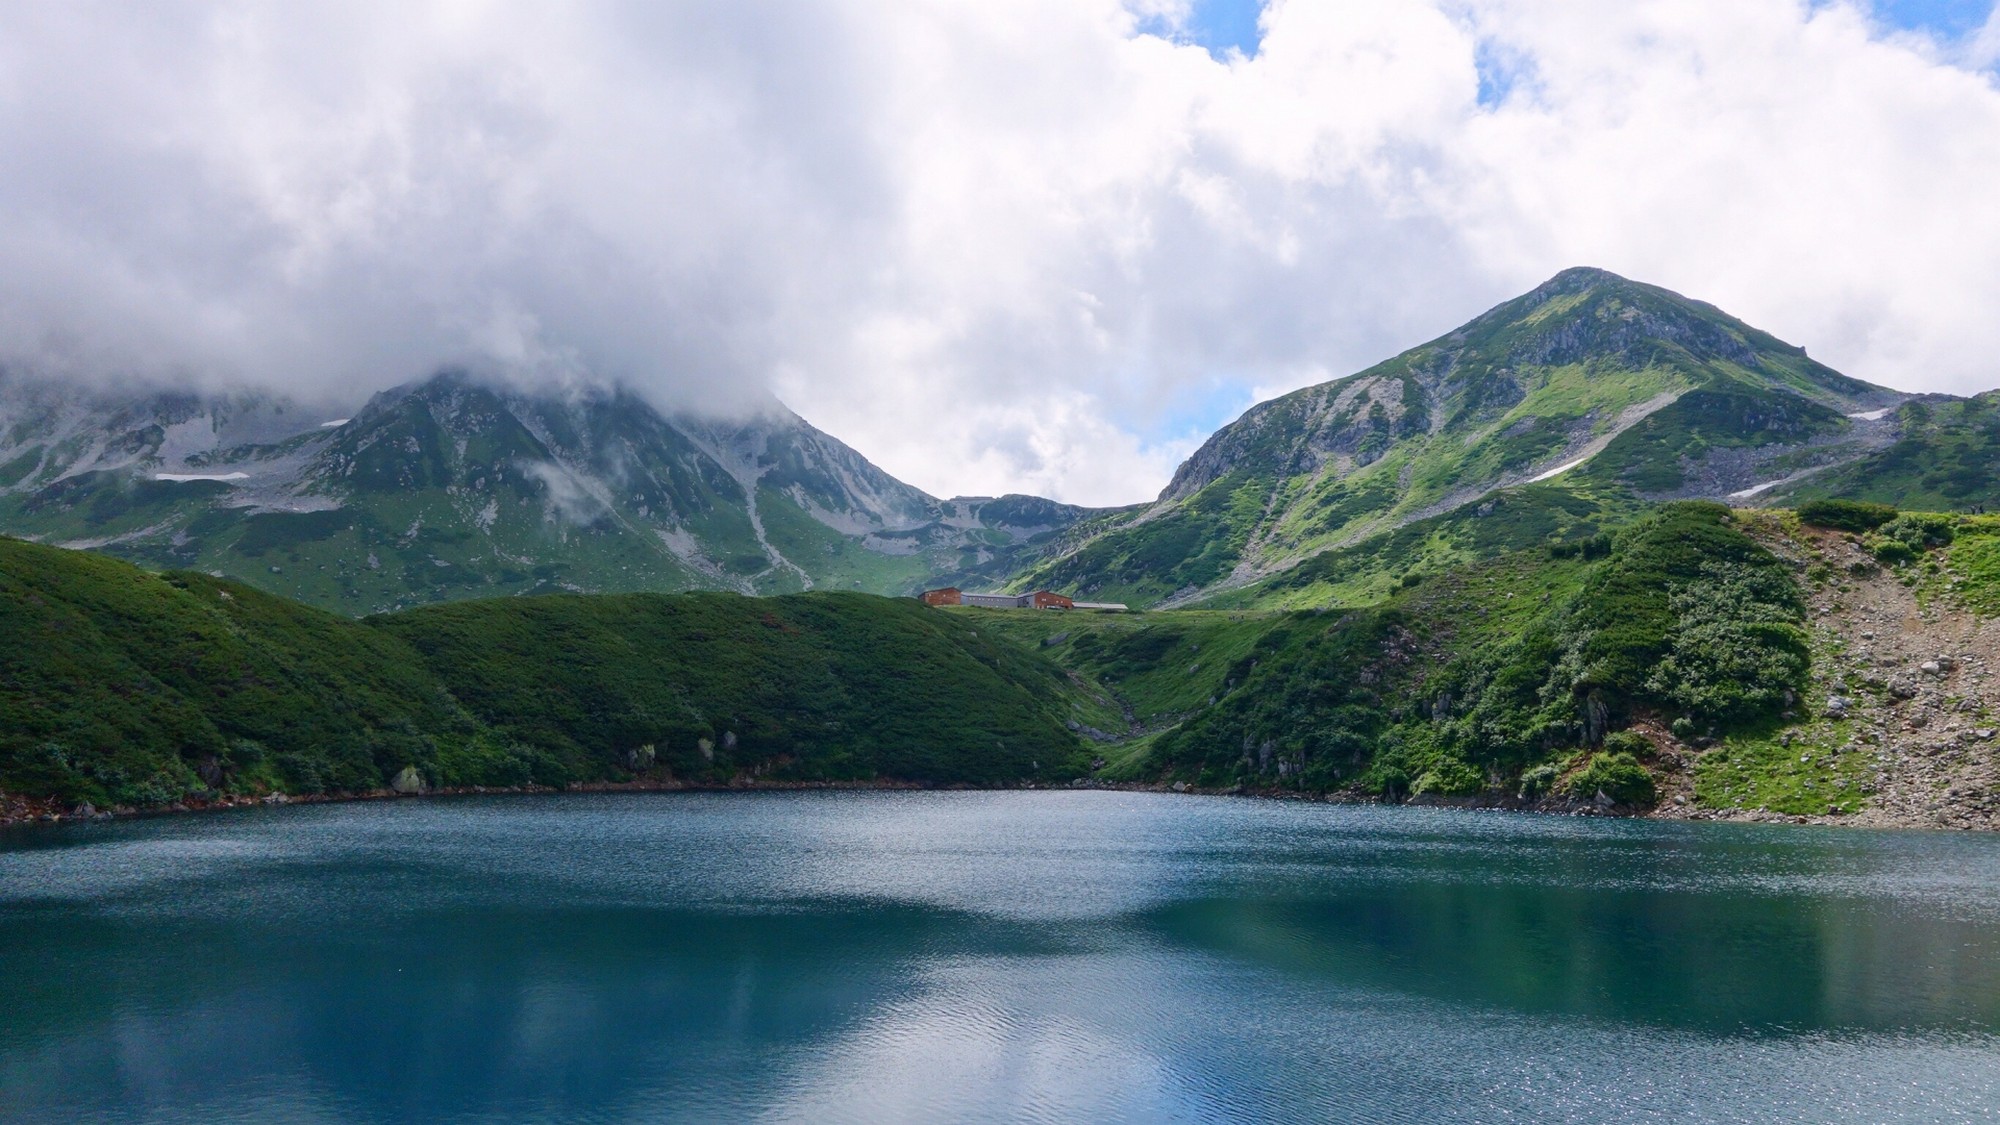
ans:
(1040, 599)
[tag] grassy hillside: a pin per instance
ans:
(123, 687)
(1832, 662)
(1731, 660)
(1565, 521)
(713, 686)
(1504, 675)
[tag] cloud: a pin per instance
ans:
(568, 498)
(1982, 48)
(992, 246)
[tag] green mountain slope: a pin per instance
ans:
(1945, 457)
(1710, 660)
(1619, 392)
(453, 488)
(124, 687)
(1468, 683)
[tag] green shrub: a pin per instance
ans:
(1385, 781)
(1449, 778)
(1893, 551)
(1686, 617)
(1920, 531)
(1589, 549)
(1738, 649)
(1627, 742)
(1689, 615)
(1845, 515)
(1905, 538)
(1617, 775)
(1312, 689)
(1537, 781)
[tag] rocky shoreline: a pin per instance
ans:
(18, 812)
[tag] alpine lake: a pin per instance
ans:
(999, 956)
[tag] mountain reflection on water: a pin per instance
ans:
(990, 956)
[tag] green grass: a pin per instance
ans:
(1194, 545)
(1973, 564)
(425, 546)
(1815, 766)
(837, 561)
(1653, 455)
(1374, 570)
(1814, 773)
(1162, 666)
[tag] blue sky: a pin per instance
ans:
(1947, 18)
(1221, 25)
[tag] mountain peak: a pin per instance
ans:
(1577, 279)
(1642, 391)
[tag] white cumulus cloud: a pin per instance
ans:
(994, 246)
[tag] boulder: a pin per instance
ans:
(408, 780)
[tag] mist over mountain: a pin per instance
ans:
(454, 487)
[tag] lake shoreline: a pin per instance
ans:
(19, 812)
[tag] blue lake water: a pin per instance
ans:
(1053, 957)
